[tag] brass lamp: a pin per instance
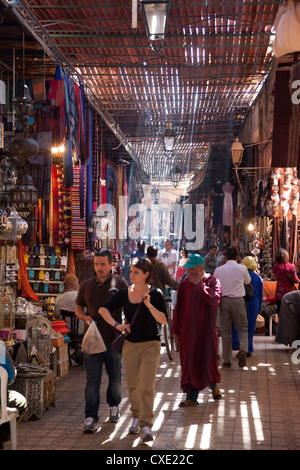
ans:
(237, 151)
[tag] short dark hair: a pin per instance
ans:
(232, 253)
(105, 252)
(151, 252)
(145, 265)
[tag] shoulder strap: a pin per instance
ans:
(138, 308)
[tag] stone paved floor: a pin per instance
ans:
(260, 410)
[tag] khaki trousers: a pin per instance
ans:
(233, 311)
(141, 362)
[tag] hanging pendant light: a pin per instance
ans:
(155, 15)
(169, 138)
(23, 104)
(237, 151)
(24, 196)
(175, 174)
(155, 193)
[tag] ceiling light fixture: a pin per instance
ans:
(169, 138)
(175, 174)
(155, 14)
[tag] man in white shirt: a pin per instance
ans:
(67, 300)
(168, 256)
(232, 277)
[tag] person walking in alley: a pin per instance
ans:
(232, 277)
(194, 329)
(93, 293)
(141, 350)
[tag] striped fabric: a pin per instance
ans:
(78, 230)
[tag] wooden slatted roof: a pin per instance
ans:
(204, 80)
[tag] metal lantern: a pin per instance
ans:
(155, 15)
(175, 174)
(237, 151)
(24, 196)
(169, 138)
(23, 104)
(155, 193)
(24, 147)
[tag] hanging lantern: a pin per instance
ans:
(23, 104)
(237, 151)
(24, 147)
(155, 13)
(24, 196)
(155, 195)
(169, 138)
(175, 174)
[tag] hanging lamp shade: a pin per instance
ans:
(237, 151)
(155, 195)
(24, 196)
(175, 174)
(169, 138)
(23, 104)
(155, 15)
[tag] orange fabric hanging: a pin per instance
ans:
(26, 289)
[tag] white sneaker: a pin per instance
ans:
(134, 428)
(146, 434)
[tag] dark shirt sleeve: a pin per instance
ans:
(117, 301)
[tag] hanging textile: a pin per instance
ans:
(110, 184)
(71, 263)
(103, 197)
(72, 112)
(89, 172)
(68, 154)
(78, 230)
(26, 289)
(83, 154)
(124, 208)
(39, 89)
(56, 93)
(55, 206)
(60, 198)
(96, 182)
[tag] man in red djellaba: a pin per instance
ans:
(194, 328)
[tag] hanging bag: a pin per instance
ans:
(92, 342)
(287, 28)
(117, 344)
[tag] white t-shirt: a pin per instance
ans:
(168, 258)
(232, 277)
(67, 301)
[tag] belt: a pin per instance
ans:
(227, 297)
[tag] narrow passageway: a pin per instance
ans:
(259, 410)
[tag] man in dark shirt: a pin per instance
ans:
(93, 293)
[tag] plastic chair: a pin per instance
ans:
(8, 414)
(75, 337)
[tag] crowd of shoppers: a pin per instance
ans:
(210, 289)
